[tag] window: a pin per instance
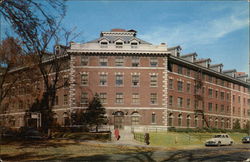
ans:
(135, 98)
(196, 121)
(65, 99)
(134, 45)
(227, 96)
(188, 121)
(238, 99)
(179, 120)
(210, 79)
(216, 107)
(233, 110)
(188, 103)
(84, 60)
(216, 94)
(135, 80)
(170, 119)
(222, 83)
(222, 109)
(103, 98)
(153, 98)
(170, 83)
(135, 61)
(153, 80)
(135, 118)
(228, 109)
(119, 60)
(179, 84)
(188, 72)
(196, 104)
(153, 118)
(118, 44)
(210, 107)
(210, 92)
(103, 79)
(119, 98)
(153, 61)
(56, 101)
(233, 98)
(65, 82)
(119, 80)
(216, 123)
(104, 44)
(188, 87)
(84, 79)
(170, 101)
(179, 70)
(222, 95)
(103, 60)
(222, 123)
(84, 98)
(20, 104)
(179, 101)
(203, 105)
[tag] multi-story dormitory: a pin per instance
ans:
(142, 85)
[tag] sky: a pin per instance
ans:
(218, 30)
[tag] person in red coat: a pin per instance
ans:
(117, 135)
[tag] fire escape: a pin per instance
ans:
(198, 96)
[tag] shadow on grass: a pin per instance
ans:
(22, 156)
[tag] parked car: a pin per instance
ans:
(246, 139)
(219, 139)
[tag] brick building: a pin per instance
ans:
(146, 86)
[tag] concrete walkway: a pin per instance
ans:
(126, 138)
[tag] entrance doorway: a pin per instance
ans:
(119, 120)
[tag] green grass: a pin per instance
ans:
(186, 139)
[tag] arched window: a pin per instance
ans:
(210, 121)
(188, 121)
(227, 123)
(222, 124)
(216, 123)
(66, 121)
(170, 119)
(135, 118)
(153, 118)
(196, 121)
(179, 120)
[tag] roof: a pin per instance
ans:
(215, 65)
(114, 38)
(175, 47)
(229, 71)
(202, 60)
(189, 54)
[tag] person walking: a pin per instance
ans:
(117, 135)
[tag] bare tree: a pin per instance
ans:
(37, 23)
(10, 57)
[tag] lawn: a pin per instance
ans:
(174, 139)
(59, 150)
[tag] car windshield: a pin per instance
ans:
(217, 136)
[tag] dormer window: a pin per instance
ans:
(134, 45)
(57, 50)
(118, 44)
(104, 44)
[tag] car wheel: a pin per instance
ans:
(231, 143)
(219, 144)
